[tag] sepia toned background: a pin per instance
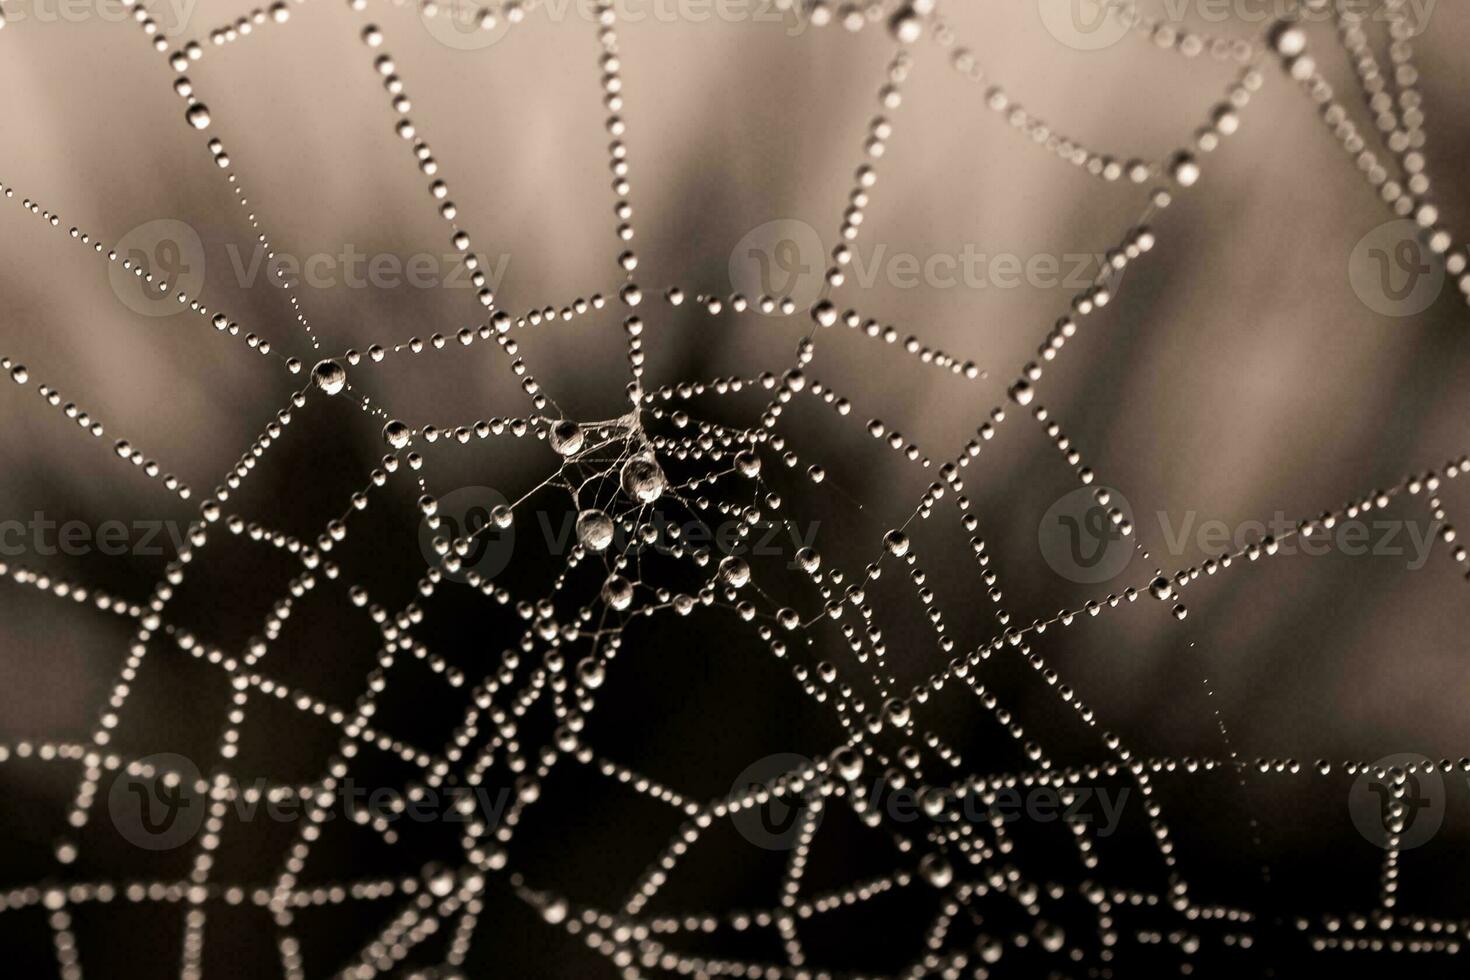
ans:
(1247, 369)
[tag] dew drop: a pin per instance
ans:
(734, 572)
(1184, 169)
(594, 530)
(397, 434)
(809, 560)
(1160, 589)
(1288, 39)
(936, 870)
(848, 763)
(440, 880)
(591, 673)
(565, 437)
(617, 592)
(329, 376)
(906, 26)
(643, 479)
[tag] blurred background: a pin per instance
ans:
(1247, 370)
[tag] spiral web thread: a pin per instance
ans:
(612, 472)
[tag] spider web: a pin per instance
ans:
(669, 458)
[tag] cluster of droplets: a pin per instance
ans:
(121, 448)
(1182, 167)
(1392, 96)
(1087, 301)
(245, 25)
(222, 322)
(1190, 44)
(372, 36)
(880, 130)
(198, 117)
